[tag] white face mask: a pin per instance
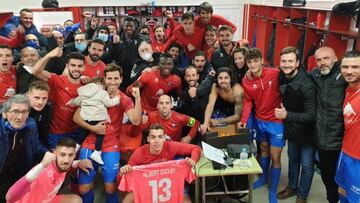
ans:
(147, 56)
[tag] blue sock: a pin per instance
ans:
(112, 198)
(264, 163)
(274, 183)
(88, 197)
(343, 199)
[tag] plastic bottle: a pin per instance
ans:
(320, 20)
(244, 158)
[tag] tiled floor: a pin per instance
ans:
(317, 193)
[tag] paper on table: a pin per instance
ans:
(213, 153)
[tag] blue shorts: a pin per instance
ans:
(270, 132)
(347, 176)
(53, 139)
(252, 126)
(109, 169)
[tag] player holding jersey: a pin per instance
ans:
(159, 151)
(347, 171)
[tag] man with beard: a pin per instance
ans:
(94, 67)
(231, 93)
(202, 66)
(147, 60)
(156, 83)
(42, 182)
(329, 126)
(298, 111)
(7, 73)
(63, 89)
(347, 170)
(222, 55)
(29, 56)
(110, 147)
(172, 121)
(195, 94)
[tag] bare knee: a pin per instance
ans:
(264, 148)
(129, 198)
(187, 199)
(84, 188)
(110, 188)
(342, 191)
(71, 199)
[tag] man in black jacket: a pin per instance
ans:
(222, 55)
(330, 88)
(298, 112)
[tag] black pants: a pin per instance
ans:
(327, 165)
(99, 138)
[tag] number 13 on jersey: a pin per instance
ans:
(160, 190)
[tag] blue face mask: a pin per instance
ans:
(32, 44)
(81, 46)
(103, 37)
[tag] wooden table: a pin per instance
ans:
(204, 169)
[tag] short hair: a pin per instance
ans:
(81, 33)
(97, 80)
(103, 27)
(199, 53)
(112, 67)
(226, 70)
(4, 46)
(225, 28)
(97, 41)
(39, 85)
(176, 45)
(66, 142)
(206, 6)
(242, 50)
(190, 67)
(289, 50)
(158, 26)
(187, 16)
(68, 20)
(352, 54)
(29, 48)
(25, 10)
(253, 53)
(156, 126)
(145, 27)
(130, 19)
(16, 99)
(75, 55)
(211, 28)
(165, 55)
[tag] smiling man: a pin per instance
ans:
(43, 181)
(231, 93)
(63, 89)
(298, 111)
(19, 142)
(157, 82)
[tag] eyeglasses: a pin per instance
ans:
(17, 112)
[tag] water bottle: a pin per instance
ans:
(244, 158)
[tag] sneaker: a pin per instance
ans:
(286, 193)
(300, 200)
(96, 156)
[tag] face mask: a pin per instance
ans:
(103, 37)
(32, 44)
(147, 56)
(81, 46)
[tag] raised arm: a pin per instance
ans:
(135, 114)
(38, 69)
(209, 109)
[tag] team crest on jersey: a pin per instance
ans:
(173, 125)
(66, 88)
(98, 73)
(156, 80)
(348, 110)
(170, 84)
(270, 83)
(254, 86)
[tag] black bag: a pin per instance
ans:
(347, 9)
(50, 4)
(294, 2)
